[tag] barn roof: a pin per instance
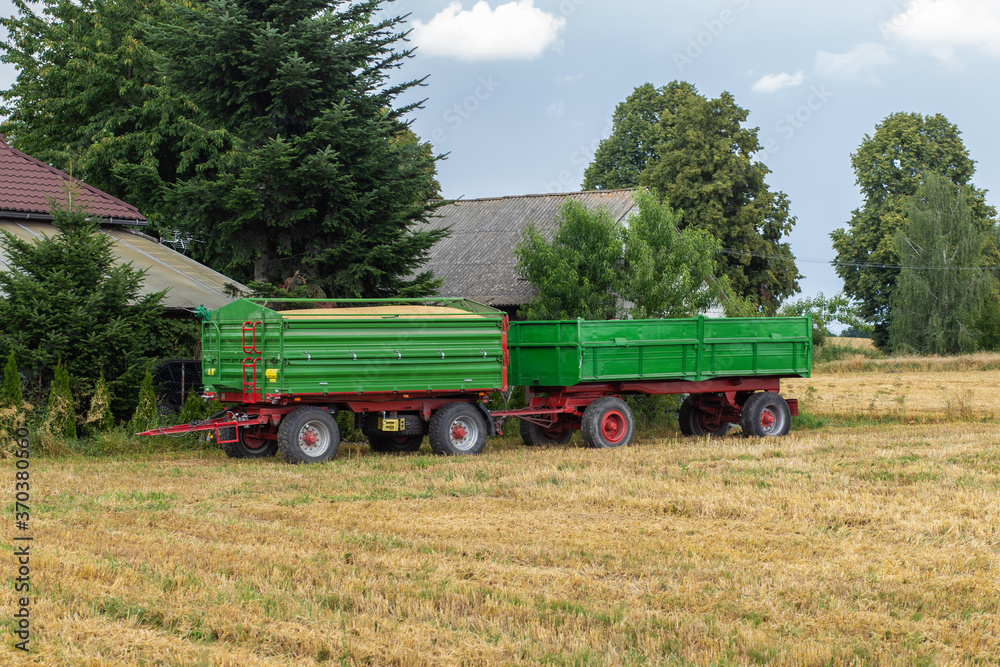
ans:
(28, 187)
(188, 283)
(477, 260)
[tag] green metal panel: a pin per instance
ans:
(335, 354)
(544, 354)
(565, 353)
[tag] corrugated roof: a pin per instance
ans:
(477, 261)
(28, 186)
(188, 283)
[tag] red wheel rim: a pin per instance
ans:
(253, 439)
(708, 423)
(613, 426)
(767, 419)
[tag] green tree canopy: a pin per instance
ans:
(595, 268)
(890, 166)
(941, 288)
(697, 154)
(87, 99)
(825, 311)
(67, 301)
(268, 131)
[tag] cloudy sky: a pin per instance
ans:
(520, 93)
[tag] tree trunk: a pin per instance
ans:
(261, 266)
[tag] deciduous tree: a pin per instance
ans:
(697, 153)
(890, 166)
(941, 288)
(595, 268)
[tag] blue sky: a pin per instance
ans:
(520, 93)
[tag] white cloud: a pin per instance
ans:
(513, 31)
(556, 109)
(855, 65)
(939, 27)
(774, 82)
(568, 80)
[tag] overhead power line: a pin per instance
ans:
(859, 265)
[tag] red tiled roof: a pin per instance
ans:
(27, 186)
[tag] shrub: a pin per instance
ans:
(99, 418)
(146, 416)
(60, 420)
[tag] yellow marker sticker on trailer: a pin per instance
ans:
(272, 374)
(391, 425)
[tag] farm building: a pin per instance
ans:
(29, 188)
(478, 262)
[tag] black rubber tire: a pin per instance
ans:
(534, 435)
(251, 445)
(608, 422)
(692, 422)
(308, 435)
(684, 416)
(457, 429)
(765, 415)
(390, 444)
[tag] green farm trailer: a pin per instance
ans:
(413, 368)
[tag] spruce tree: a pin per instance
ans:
(68, 299)
(269, 131)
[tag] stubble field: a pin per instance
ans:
(870, 535)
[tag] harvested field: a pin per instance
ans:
(836, 545)
(904, 395)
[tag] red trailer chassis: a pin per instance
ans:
(556, 411)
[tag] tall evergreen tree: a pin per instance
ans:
(67, 300)
(890, 166)
(697, 154)
(87, 99)
(269, 131)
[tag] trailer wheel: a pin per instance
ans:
(456, 429)
(251, 445)
(765, 415)
(395, 443)
(308, 435)
(608, 422)
(535, 435)
(694, 421)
